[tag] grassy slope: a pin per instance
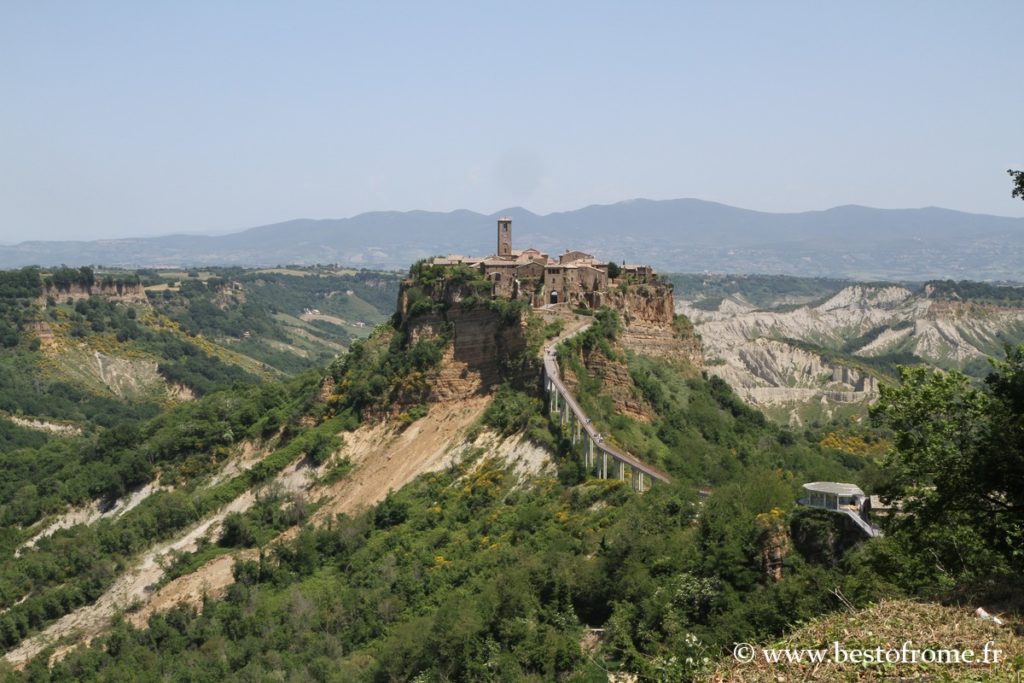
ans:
(888, 625)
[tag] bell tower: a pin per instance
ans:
(504, 236)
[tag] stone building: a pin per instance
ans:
(574, 278)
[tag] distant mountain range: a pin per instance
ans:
(680, 235)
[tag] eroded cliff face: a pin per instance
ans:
(876, 320)
(126, 293)
(649, 328)
(487, 334)
(766, 372)
(774, 542)
(648, 317)
(616, 383)
(483, 340)
(754, 350)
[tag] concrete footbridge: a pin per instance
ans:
(599, 458)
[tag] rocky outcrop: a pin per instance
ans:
(483, 341)
(766, 372)
(484, 336)
(616, 383)
(821, 536)
(774, 542)
(887, 341)
(884, 319)
(865, 297)
(648, 317)
(647, 304)
(123, 292)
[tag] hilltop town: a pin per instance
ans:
(574, 278)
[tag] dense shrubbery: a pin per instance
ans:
(187, 364)
(599, 336)
(426, 275)
(73, 566)
(389, 367)
(18, 289)
(20, 284)
(376, 372)
(464, 575)
(25, 389)
(181, 360)
(958, 471)
(701, 431)
(510, 411)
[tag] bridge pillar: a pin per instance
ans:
(635, 476)
(620, 470)
(590, 453)
(604, 464)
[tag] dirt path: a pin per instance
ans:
(573, 324)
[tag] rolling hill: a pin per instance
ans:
(681, 235)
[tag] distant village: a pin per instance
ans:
(575, 278)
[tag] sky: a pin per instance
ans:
(123, 119)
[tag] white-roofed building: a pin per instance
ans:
(848, 499)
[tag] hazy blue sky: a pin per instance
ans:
(133, 118)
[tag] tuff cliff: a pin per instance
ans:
(483, 337)
(115, 291)
(650, 323)
(482, 342)
(487, 335)
(649, 327)
(774, 542)
(616, 383)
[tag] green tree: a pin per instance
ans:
(613, 269)
(957, 467)
(1018, 182)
